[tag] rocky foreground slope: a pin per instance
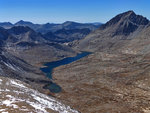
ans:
(18, 97)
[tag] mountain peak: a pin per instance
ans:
(125, 23)
(6, 25)
(69, 23)
(20, 29)
(127, 16)
(22, 22)
(129, 12)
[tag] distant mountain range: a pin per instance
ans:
(44, 28)
(65, 32)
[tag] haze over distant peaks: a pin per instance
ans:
(44, 28)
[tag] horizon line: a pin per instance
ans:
(50, 22)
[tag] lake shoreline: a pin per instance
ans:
(49, 66)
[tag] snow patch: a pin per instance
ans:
(1, 81)
(10, 66)
(17, 84)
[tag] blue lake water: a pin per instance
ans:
(53, 87)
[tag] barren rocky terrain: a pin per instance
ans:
(106, 82)
(115, 77)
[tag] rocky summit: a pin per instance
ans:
(115, 33)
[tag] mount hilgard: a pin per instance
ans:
(115, 33)
(115, 77)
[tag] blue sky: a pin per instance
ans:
(57, 11)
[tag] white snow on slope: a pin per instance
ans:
(10, 66)
(19, 97)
